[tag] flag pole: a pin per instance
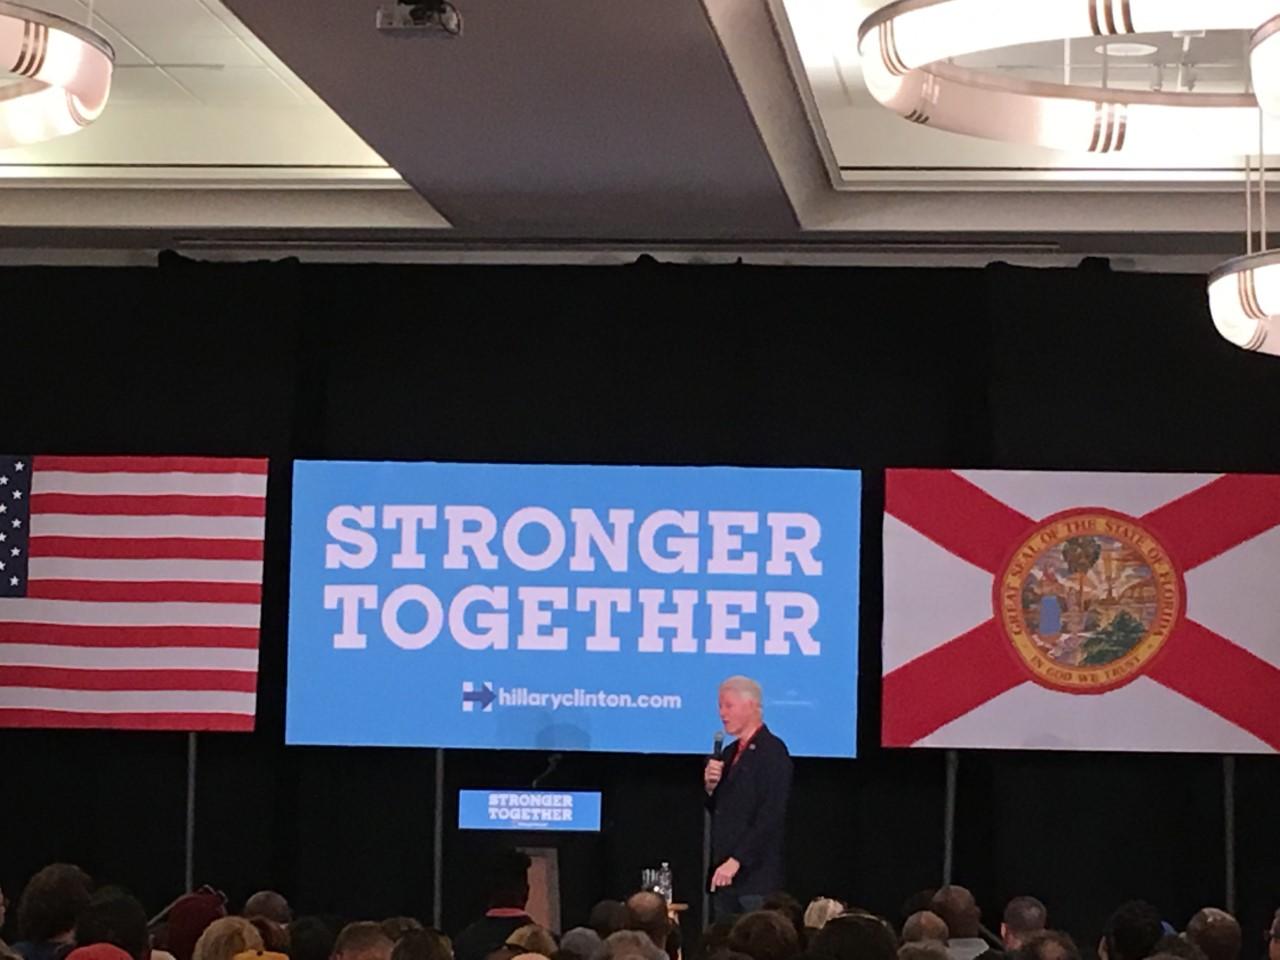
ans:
(1229, 822)
(437, 852)
(949, 818)
(190, 863)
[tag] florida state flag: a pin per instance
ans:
(1089, 611)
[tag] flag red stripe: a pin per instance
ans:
(155, 591)
(955, 514)
(198, 722)
(67, 678)
(946, 683)
(148, 505)
(65, 635)
(1223, 677)
(1212, 519)
(145, 548)
(152, 464)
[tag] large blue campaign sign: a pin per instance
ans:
(570, 607)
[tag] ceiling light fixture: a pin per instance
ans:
(62, 74)
(1244, 293)
(907, 48)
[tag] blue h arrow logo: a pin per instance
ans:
(473, 694)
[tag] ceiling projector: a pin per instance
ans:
(438, 18)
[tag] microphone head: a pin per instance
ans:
(719, 743)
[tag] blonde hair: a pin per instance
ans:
(532, 938)
(746, 687)
(226, 937)
(820, 910)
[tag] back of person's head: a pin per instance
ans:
(630, 945)
(226, 937)
(580, 943)
(269, 904)
(52, 901)
(1217, 933)
(1048, 945)
(715, 938)
(275, 936)
(1173, 945)
(187, 918)
(118, 920)
(765, 935)
(1273, 941)
(532, 938)
(310, 938)
(1023, 916)
(958, 910)
(509, 879)
(923, 950)
(99, 951)
(1132, 931)
(397, 927)
(925, 925)
(647, 912)
(855, 936)
(364, 940)
(820, 911)
(421, 944)
(787, 905)
(920, 900)
(607, 917)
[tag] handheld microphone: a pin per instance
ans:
(717, 748)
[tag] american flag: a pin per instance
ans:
(130, 591)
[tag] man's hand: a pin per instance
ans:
(725, 873)
(712, 773)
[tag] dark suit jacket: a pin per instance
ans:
(749, 813)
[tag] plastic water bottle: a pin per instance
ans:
(665, 883)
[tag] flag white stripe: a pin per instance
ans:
(127, 658)
(214, 528)
(128, 701)
(201, 571)
(111, 614)
(191, 484)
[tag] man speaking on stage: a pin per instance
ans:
(747, 788)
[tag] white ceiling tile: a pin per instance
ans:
(177, 32)
(77, 11)
(148, 85)
(236, 87)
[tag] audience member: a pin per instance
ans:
(508, 894)
(311, 938)
(715, 938)
(674, 946)
(959, 911)
(580, 943)
(1217, 933)
(363, 940)
(48, 910)
(397, 927)
(269, 904)
(119, 920)
(920, 900)
(855, 936)
(6, 952)
(99, 951)
(531, 938)
(188, 917)
(787, 905)
(421, 944)
(1023, 917)
(630, 945)
(608, 917)
(1048, 945)
(819, 912)
(1131, 933)
(923, 950)
(1273, 938)
(648, 913)
(1173, 945)
(275, 937)
(925, 925)
(226, 937)
(764, 935)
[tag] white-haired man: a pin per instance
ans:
(747, 791)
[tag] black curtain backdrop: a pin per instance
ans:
(646, 364)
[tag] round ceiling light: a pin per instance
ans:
(1244, 300)
(61, 71)
(907, 47)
